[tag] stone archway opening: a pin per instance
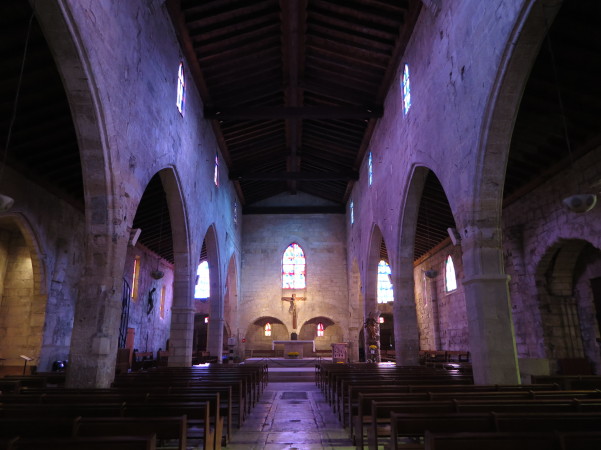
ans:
(567, 278)
(259, 342)
(22, 303)
(332, 333)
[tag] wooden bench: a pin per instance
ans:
(490, 441)
(36, 427)
(165, 428)
(86, 443)
(413, 426)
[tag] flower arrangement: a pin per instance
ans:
(293, 354)
(373, 347)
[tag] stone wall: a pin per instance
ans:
(538, 231)
(322, 238)
(151, 330)
(441, 315)
(50, 231)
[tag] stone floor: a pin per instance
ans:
(291, 416)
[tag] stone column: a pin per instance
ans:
(432, 296)
(492, 339)
(95, 333)
(182, 324)
(216, 322)
(406, 338)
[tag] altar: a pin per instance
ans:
(293, 346)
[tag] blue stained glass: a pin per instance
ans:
(370, 169)
(385, 292)
(406, 90)
(352, 211)
(181, 89)
(293, 268)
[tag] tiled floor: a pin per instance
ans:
(284, 418)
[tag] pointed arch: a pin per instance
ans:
(106, 232)
(182, 314)
(21, 262)
(406, 336)
(216, 306)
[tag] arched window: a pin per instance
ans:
(216, 171)
(181, 89)
(450, 278)
(203, 285)
(293, 268)
(320, 329)
(385, 293)
(267, 329)
(370, 169)
(406, 86)
(352, 212)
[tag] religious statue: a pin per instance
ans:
(372, 327)
(292, 309)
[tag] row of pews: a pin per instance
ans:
(419, 407)
(164, 407)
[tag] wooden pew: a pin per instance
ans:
(198, 418)
(491, 441)
(165, 428)
(87, 443)
(36, 427)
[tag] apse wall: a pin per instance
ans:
(322, 238)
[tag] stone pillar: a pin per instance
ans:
(406, 338)
(491, 335)
(95, 333)
(182, 324)
(216, 322)
(432, 296)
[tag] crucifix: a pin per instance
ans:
(292, 309)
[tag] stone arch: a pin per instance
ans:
(406, 336)
(357, 312)
(216, 307)
(230, 299)
(332, 333)
(371, 276)
(182, 314)
(566, 300)
(504, 100)
(93, 348)
(23, 292)
(256, 341)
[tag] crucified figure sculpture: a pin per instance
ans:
(292, 309)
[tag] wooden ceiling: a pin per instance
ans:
(293, 89)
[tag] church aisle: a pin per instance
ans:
(291, 416)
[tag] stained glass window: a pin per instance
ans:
(385, 293)
(267, 329)
(370, 169)
(163, 298)
(235, 213)
(181, 89)
(352, 212)
(216, 173)
(320, 329)
(203, 285)
(450, 279)
(293, 268)
(406, 90)
(135, 278)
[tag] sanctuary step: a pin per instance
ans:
(291, 374)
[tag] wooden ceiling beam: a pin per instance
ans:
(294, 112)
(296, 176)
